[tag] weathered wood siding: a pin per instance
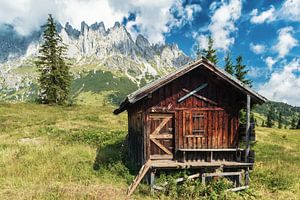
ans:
(217, 125)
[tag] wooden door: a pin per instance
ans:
(195, 130)
(161, 136)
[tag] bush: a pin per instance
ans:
(194, 189)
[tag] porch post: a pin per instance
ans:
(247, 129)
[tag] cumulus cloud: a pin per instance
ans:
(284, 85)
(270, 62)
(257, 48)
(265, 16)
(290, 10)
(286, 41)
(223, 24)
(153, 18)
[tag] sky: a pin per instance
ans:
(265, 32)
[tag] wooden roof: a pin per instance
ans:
(202, 62)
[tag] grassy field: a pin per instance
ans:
(55, 152)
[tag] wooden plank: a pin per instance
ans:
(200, 97)
(162, 136)
(218, 174)
(160, 157)
(163, 109)
(207, 150)
(192, 92)
(144, 169)
(194, 136)
(236, 189)
(160, 126)
(162, 147)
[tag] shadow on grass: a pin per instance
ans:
(114, 157)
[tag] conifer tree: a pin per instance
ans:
(240, 71)
(280, 120)
(270, 117)
(54, 75)
(210, 52)
(293, 124)
(298, 124)
(228, 64)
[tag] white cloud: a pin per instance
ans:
(257, 48)
(183, 14)
(223, 24)
(202, 41)
(255, 72)
(286, 41)
(270, 62)
(265, 16)
(284, 85)
(290, 10)
(153, 18)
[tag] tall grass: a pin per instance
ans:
(78, 152)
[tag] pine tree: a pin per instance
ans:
(280, 120)
(228, 64)
(210, 52)
(270, 117)
(54, 75)
(240, 71)
(298, 124)
(293, 123)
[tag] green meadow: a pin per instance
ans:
(78, 152)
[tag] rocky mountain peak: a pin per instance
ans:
(141, 41)
(84, 28)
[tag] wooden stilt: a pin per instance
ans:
(152, 181)
(247, 179)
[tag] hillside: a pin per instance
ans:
(77, 152)
(288, 112)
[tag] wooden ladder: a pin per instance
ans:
(143, 171)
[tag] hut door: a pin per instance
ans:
(195, 130)
(161, 135)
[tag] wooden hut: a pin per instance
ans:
(190, 119)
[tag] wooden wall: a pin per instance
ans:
(222, 119)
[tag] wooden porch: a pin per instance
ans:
(172, 164)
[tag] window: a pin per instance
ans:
(198, 124)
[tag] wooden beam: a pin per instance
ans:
(236, 189)
(144, 169)
(201, 97)
(162, 136)
(162, 147)
(160, 126)
(247, 129)
(192, 92)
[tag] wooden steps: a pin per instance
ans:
(143, 171)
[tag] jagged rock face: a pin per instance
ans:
(113, 48)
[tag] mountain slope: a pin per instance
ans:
(92, 48)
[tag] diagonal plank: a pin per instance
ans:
(144, 169)
(192, 92)
(160, 126)
(155, 141)
(201, 97)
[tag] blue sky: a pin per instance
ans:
(265, 33)
(250, 36)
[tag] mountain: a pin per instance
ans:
(92, 50)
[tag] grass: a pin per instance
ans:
(58, 152)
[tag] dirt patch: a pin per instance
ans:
(34, 141)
